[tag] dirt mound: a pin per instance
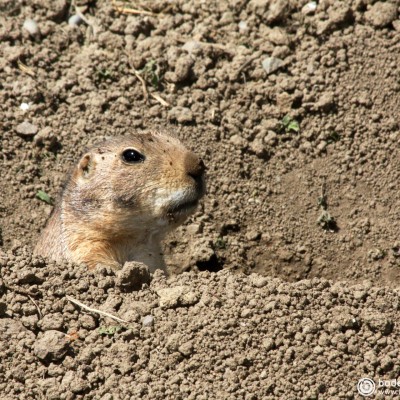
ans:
(294, 106)
(195, 336)
(279, 101)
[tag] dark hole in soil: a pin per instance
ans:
(297, 103)
(214, 264)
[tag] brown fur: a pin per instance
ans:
(112, 212)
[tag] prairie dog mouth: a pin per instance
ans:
(183, 207)
(177, 203)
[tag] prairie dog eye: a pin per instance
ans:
(132, 156)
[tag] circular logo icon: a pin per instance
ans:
(366, 387)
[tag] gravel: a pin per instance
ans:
(201, 336)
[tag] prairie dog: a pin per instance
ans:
(121, 199)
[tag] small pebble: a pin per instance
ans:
(309, 8)
(381, 14)
(132, 276)
(74, 20)
(24, 106)
(271, 64)
(238, 141)
(258, 281)
(268, 344)
(263, 374)
(169, 297)
(318, 349)
(51, 346)
(243, 27)
(31, 27)
(148, 321)
(26, 129)
(186, 348)
(253, 235)
(191, 45)
(183, 115)
(326, 102)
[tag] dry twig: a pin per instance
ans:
(160, 99)
(146, 92)
(134, 11)
(36, 305)
(24, 68)
(92, 24)
(236, 74)
(143, 82)
(94, 310)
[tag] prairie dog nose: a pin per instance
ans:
(194, 166)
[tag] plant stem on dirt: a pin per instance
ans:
(325, 220)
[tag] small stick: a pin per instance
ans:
(160, 99)
(134, 11)
(236, 74)
(146, 92)
(88, 22)
(26, 69)
(36, 305)
(144, 86)
(94, 310)
(322, 199)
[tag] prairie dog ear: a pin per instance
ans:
(86, 166)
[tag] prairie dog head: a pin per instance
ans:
(143, 183)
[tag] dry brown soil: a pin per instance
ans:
(292, 329)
